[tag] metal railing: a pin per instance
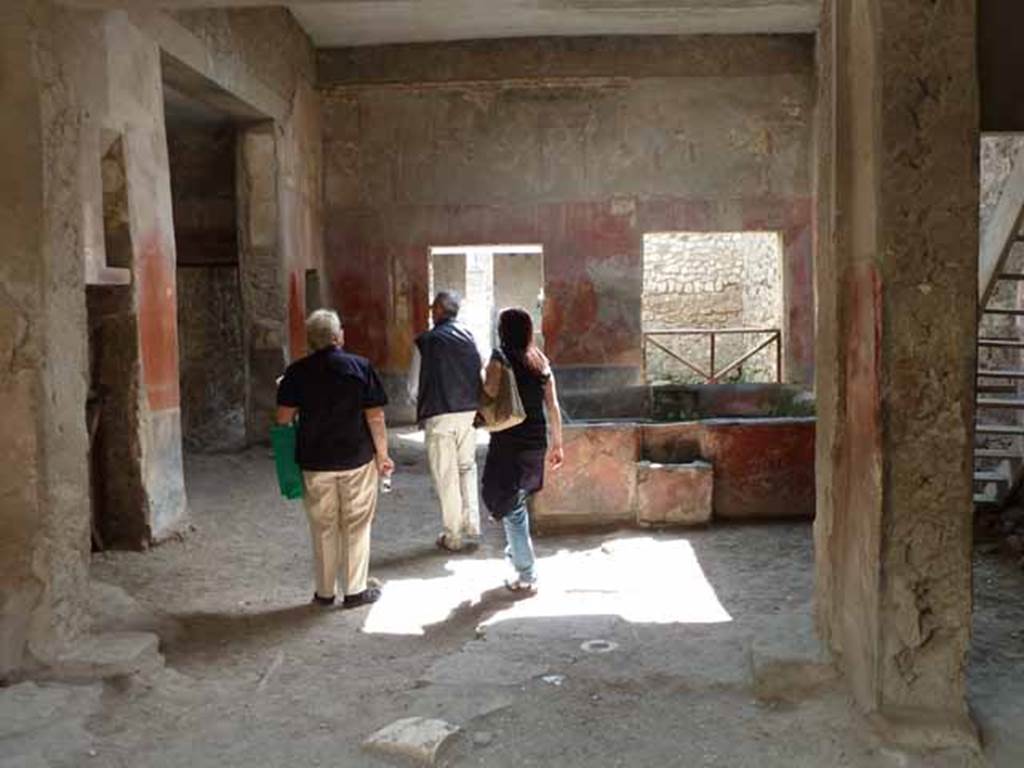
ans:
(713, 374)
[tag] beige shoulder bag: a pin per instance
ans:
(504, 410)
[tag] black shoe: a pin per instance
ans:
(323, 602)
(367, 596)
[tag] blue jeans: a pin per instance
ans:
(520, 547)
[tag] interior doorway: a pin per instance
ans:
(490, 278)
(202, 151)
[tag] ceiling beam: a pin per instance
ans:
(344, 23)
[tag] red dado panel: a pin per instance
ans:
(158, 326)
(760, 469)
(764, 468)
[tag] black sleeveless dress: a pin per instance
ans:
(515, 458)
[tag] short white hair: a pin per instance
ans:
(322, 329)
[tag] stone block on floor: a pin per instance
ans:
(674, 494)
(415, 738)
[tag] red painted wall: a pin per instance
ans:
(158, 328)
(593, 263)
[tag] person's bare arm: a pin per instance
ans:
(555, 453)
(379, 433)
(492, 378)
(286, 414)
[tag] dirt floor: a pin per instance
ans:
(707, 657)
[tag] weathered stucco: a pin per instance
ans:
(73, 82)
(897, 270)
(580, 145)
(43, 501)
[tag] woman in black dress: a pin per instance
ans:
(515, 460)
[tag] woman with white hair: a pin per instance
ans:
(342, 449)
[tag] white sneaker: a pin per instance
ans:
(518, 585)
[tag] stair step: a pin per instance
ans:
(1001, 343)
(997, 389)
(983, 499)
(1000, 402)
(1000, 311)
(1011, 275)
(998, 429)
(998, 453)
(1005, 373)
(990, 476)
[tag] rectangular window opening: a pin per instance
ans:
(728, 283)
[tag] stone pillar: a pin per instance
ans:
(896, 252)
(264, 301)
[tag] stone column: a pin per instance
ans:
(896, 269)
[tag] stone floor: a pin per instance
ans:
(642, 649)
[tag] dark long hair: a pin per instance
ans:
(515, 332)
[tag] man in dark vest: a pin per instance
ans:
(445, 383)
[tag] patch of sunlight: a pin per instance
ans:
(641, 580)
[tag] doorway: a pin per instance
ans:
(202, 151)
(490, 278)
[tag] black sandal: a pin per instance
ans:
(367, 596)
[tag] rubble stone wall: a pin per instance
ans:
(712, 280)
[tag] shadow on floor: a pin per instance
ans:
(216, 635)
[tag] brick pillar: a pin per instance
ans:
(896, 271)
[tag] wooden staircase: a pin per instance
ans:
(999, 420)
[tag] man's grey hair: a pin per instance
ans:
(449, 303)
(322, 329)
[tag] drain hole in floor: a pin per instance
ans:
(599, 646)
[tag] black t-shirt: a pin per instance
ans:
(331, 389)
(533, 431)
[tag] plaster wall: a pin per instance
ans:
(519, 282)
(518, 278)
(581, 145)
(43, 491)
(897, 269)
(73, 78)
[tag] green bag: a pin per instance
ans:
(289, 476)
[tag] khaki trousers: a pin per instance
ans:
(340, 507)
(451, 453)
